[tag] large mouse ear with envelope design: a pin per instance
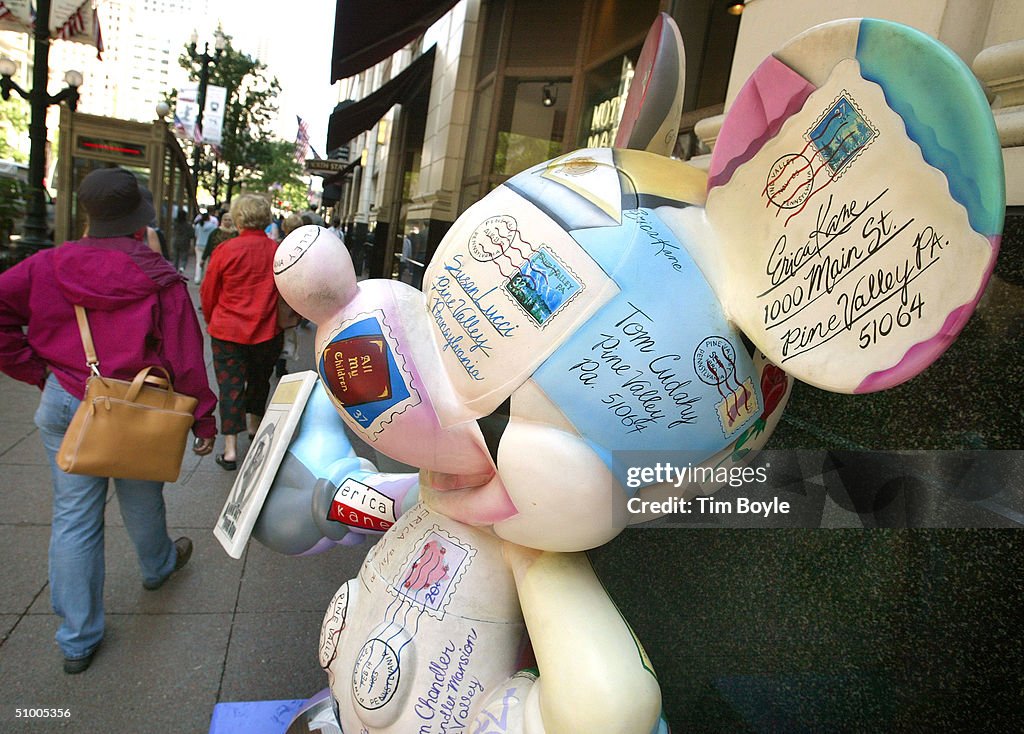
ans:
(857, 194)
(654, 103)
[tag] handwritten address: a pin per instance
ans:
(446, 704)
(854, 271)
(468, 317)
(651, 387)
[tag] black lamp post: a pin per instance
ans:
(204, 59)
(34, 237)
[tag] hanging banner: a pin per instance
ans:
(213, 114)
(187, 110)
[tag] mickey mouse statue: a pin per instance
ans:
(616, 306)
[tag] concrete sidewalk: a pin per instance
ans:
(221, 630)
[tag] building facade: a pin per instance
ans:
(515, 82)
(142, 40)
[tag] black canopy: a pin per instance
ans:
(348, 120)
(368, 31)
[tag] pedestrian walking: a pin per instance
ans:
(290, 337)
(310, 216)
(182, 235)
(405, 263)
(224, 232)
(154, 238)
(336, 230)
(275, 229)
(239, 302)
(204, 227)
(291, 223)
(140, 314)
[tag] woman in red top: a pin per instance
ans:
(239, 302)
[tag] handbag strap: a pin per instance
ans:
(144, 376)
(90, 351)
(93, 361)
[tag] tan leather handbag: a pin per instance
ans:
(127, 430)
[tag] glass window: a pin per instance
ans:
(536, 25)
(493, 14)
(531, 124)
(604, 94)
(618, 20)
(411, 179)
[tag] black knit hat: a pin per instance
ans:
(114, 201)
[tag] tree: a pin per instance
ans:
(14, 124)
(278, 172)
(248, 112)
(294, 196)
(277, 165)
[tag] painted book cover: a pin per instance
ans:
(257, 472)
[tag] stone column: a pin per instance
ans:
(1000, 69)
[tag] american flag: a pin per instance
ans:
(179, 127)
(75, 25)
(301, 141)
(197, 134)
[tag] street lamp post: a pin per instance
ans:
(204, 59)
(34, 237)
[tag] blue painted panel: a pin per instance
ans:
(658, 368)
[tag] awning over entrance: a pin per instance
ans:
(335, 179)
(368, 31)
(348, 121)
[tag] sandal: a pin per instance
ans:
(226, 464)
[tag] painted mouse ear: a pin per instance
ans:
(313, 272)
(650, 118)
(857, 193)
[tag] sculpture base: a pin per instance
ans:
(254, 717)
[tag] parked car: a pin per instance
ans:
(13, 189)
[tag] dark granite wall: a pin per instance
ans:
(826, 630)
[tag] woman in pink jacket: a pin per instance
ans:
(140, 314)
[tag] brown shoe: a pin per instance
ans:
(183, 546)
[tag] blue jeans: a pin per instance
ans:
(76, 536)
